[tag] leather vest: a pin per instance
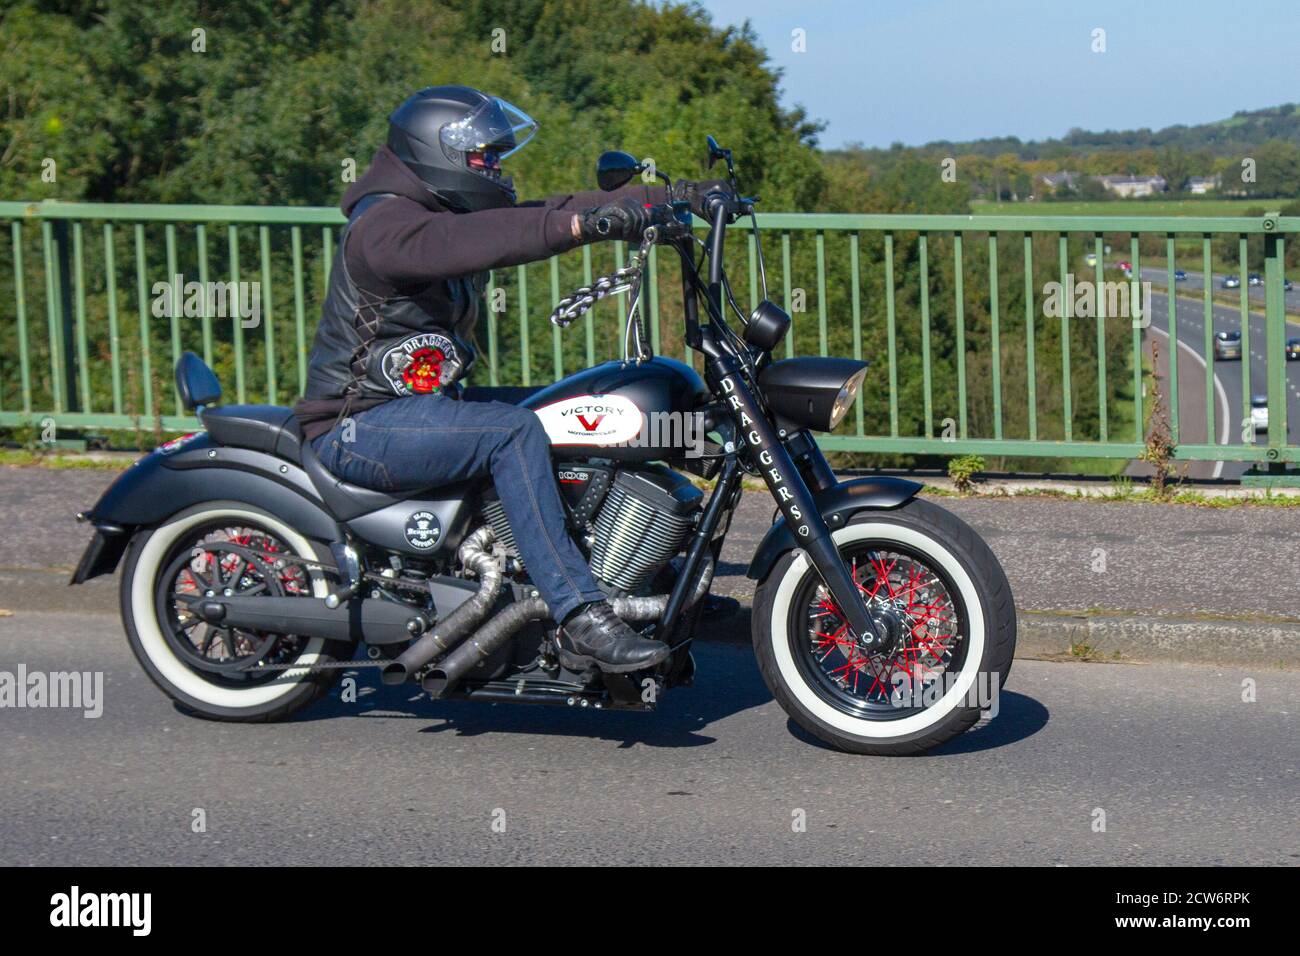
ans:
(414, 343)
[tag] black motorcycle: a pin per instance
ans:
(253, 576)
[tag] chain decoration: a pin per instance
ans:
(579, 302)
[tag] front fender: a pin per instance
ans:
(836, 504)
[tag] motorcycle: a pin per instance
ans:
(252, 576)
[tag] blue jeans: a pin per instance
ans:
(416, 442)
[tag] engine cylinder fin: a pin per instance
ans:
(634, 538)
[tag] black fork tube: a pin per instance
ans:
(689, 303)
(792, 496)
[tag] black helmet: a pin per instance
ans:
(454, 138)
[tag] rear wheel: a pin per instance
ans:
(231, 674)
(950, 635)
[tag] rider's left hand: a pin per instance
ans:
(701, 194)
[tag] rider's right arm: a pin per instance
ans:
(402, 243)
(589, 199)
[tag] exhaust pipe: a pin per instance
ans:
(475, 554)
(492, 635)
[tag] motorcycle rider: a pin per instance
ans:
(428, 219)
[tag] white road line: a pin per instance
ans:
(1218, 388)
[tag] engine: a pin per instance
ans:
(635, 518)
(642, 523)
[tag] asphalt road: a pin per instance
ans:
(1225, 423)
(1195, 282)
(1230, 401)
(1184, 771)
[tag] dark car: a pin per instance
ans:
(1292, 349)
(1231, 282)
(1255, 279)
(1227, 345)
(1180, 275)
(1286, 285)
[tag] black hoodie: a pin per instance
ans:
(407, 244)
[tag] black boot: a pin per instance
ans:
(596, 635)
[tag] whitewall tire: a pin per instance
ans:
(979, 612)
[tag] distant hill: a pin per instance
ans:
(1228, 137)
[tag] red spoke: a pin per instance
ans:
(925, 646)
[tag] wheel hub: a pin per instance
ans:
(891, 629)
(919, 633)
(215, 567)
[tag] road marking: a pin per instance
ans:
(1218, 388)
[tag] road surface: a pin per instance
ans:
(1183, 770)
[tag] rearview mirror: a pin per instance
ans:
(716, 153)
(615, 168)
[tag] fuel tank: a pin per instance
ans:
(625, 411)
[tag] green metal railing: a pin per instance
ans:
(906, 292)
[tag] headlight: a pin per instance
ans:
(812, 392)
(844, 400)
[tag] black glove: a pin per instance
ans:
(625, 218)
(700, 194)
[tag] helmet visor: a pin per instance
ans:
(495, 128)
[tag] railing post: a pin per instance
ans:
(63, 255)
(1275, 339)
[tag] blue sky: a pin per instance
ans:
(885, 70)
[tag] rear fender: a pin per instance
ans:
(169, 480)
(836, 504)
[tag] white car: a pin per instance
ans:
(1259, 412)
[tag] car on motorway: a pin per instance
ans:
(1126, 267)
(1227, 345)
(1180, 275)
(1255, 279)
(1292, 350)
(1259, 412)
(1090, 259)
(1231, 282)
(1286, 285)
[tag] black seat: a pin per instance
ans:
(345, 501)
(274, 429)
(268, 428)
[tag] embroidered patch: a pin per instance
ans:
(414, 367)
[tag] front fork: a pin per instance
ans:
(794, 499)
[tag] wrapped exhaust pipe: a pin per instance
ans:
(492, 635)
(475, 554)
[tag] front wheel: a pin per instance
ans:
(950, 633)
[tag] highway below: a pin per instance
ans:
(1231, 404)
